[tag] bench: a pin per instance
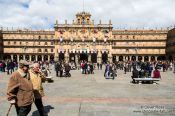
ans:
(49, 79)
(150, 80)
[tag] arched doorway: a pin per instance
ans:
(51, 57)
(170, 58)
(133, 58)
(83, 56)
(21, 57)
(39, 58)
(140, 58)
(146, 58)
(152, 58)
(72, 57)
(104, 57)
(120, 58)
(94, 57)
(33, 58)
(45, 58)
(27, 57)
(113, 59)
(61, 56)
(15, 58)
(159, 58)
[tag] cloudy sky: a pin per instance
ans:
(41, 14)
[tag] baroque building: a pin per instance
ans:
(84, 40)
(170, 50)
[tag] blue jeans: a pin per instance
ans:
(23, 110)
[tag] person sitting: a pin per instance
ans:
(156, 73)
(141, 73)
(135, 74)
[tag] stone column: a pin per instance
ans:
(24, 58)
(149, 58)
(110, 57)
(126, 57)
(36, 57)
(156, 58)
(30, 57)
(17, 58)
(56, 55)
(137, 58)
(76, 59)
(67, 56)
(49, 58)
(117, 58)
(89, 58)
(99, 57)
(12, 57)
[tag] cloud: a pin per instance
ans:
(123, 13)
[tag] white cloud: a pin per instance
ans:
(123, 13)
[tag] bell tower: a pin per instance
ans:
(83, 18)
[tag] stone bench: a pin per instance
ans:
(150, 80)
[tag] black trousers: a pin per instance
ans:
(40, 107)
(23, 110)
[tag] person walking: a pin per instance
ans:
(37, 78)
(20, 89)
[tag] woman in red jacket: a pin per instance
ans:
(156, 73)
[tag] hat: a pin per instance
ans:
(24, 63)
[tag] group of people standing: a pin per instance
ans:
(8, 66)
(62, 69)
(87, 68)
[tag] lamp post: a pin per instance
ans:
(174, 66)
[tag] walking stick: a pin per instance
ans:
(9, 110)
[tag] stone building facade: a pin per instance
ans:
(29, 45)
(1, 45)
(170, 50)
(84, 40)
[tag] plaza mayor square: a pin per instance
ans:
(87, 58)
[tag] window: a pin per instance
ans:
(51, 43)
(38, 43)
(120, 36)
(14, 42)
(8, 42)
(78, 21)
(45, 50)
(45, 36)
(20, 43)
(39, 50)
(45, 43)
(51, 50)
(39, 37)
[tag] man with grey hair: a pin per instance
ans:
(37, 77)
(20, 89)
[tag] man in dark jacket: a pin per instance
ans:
(135, 74)
(20, 90)
(57, 68)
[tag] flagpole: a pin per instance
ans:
(83, 5)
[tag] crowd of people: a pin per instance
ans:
(27, 77)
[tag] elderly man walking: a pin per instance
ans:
(37, 77)
(20, 89)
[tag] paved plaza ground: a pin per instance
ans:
(93, 95)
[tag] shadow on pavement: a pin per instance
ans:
(46, 109)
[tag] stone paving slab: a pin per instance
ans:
(93, 95)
